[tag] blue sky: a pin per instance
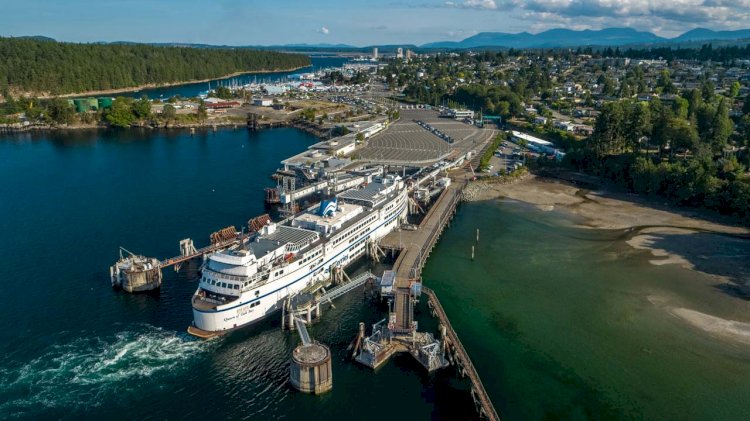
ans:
(356, 22)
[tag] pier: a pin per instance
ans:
(397, 333)
(453, 345)
(137, 273)
(400, 333)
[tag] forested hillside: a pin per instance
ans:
(37, 66)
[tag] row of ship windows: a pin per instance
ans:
(314, 263)
(361, 245)
(391, 214)
(221, 284)
(310, 257)
(353, 230)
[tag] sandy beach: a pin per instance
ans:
(601, 209)
(679, 237)
(717, 249)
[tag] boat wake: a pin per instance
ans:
(83, 373)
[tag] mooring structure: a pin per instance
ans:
(414, 247)
(138, 273)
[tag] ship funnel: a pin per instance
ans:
(327, 207)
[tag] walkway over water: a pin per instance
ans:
(416, 247)
(451, 338)
(192, 254)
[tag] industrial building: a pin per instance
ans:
(262, 102)
(458, 114)
(536, 144)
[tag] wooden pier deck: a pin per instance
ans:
(478, 392)
(416, 247)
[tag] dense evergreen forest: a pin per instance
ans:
(706, 52)
(39, 66)
(688, 151)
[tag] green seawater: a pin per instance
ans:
(561, 322)
(564, 322)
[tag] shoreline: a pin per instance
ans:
(310, 128)
(162, 85)
(716, 248)
(603, 209)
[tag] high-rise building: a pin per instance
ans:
(375, 53)
(409, 54)
(400, 52)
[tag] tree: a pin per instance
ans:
(30, 65)
(223, 92)
(681, 107)
(608, 130)
(746, 105)
(665, 83)
(707, 91)
(695, 101)
(10, 106)
(120, 114)
(202, 111)
(169, 112)
(360, 137)
(638, 125)
(721, 127)
(734, 90)
(142, 108)
(609, 88)
(681, 135)
(60, 111)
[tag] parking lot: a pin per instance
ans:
(507, 158)
(408, 142)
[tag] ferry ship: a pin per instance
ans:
(242, 285)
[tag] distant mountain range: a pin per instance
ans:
(553, 38)
(570, 38)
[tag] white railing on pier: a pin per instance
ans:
(342, 289)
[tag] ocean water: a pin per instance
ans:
(71, 347)
(194, 89)
(572, 323)
(561, 322)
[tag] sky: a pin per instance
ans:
(353, 22)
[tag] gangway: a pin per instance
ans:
(342, 289)
(302, 330)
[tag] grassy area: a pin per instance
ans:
(485, 160)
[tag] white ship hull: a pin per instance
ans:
(267, 299)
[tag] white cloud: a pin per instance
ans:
(480, 4)
(460, 33)
(477, 4)
(323, 30)
(653, 15)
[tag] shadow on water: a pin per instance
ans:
(716, 254)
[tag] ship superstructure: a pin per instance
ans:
(243, 284)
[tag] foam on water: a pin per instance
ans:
(81, 373)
